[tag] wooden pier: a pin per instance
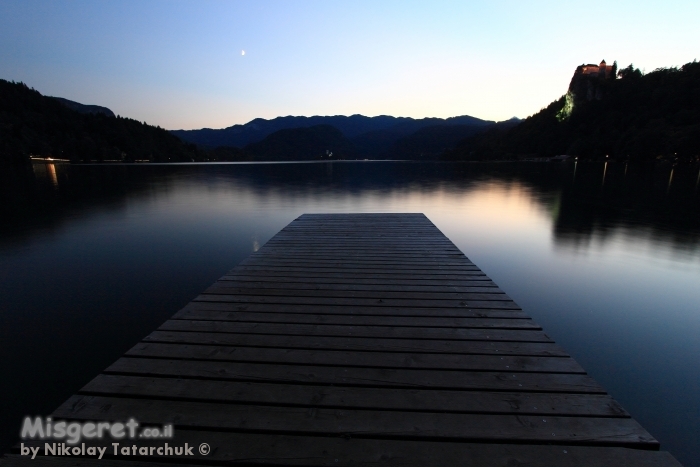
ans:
(358, 339)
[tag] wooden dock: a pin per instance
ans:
(359, 339)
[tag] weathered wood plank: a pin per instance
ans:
(349, 278)
(358, 240)
(460, 275)
(417, 284)
(474, 287)
(392, 302)
(359, 344)
(365, 320)
(226, 289)
(340, 265)
(362, 263)
(360, 377)
(370, 259)
(210, 308)
(354, 277)
(407, 400)
(349, 330)
(364, 423)
(312, 243)
(266, 254)
(351, 358)
(368, 250)
(408, 255)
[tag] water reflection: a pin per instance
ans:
(625, 197)
(50, 172)
(636, 203)
(605, 171)
(604, 255)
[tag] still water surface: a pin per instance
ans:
(605, 257)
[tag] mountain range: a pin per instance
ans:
(363, 137)
(352, 127)
(604, 113)
(35, 125)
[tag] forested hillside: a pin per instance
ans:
(637, 116)
(32, 124)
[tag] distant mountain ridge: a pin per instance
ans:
(351, 127)
(36, 125)
(307, 143)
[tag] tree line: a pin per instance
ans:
(639, 117)
(35, 125)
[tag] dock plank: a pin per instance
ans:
(360, 344)
(402, 378)
(365, 320)
(352, 358)
(349, 330)
(193, 308)
(320, 421)
(388, 399)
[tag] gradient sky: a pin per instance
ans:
(178, 64)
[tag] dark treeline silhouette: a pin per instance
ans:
(353, 137)
(319, 141)
(316, 142)
(352, 127)
(636, 116)
(35, 125)
(32, 124)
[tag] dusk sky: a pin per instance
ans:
(180, 64)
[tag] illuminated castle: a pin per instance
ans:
(601, 71)
(590, 82)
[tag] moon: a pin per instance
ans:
(242, 52)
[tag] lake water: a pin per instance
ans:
(606, 257)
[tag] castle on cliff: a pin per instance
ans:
(600, 71)
(590, 82)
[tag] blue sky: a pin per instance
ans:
(178, 64)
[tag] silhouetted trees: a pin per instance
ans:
(32, 124)
(640, 116)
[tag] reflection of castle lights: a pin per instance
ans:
(46, 171)
(605, 170)
(51, 168)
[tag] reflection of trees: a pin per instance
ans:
(638, 201)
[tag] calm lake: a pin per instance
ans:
(606, 257)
